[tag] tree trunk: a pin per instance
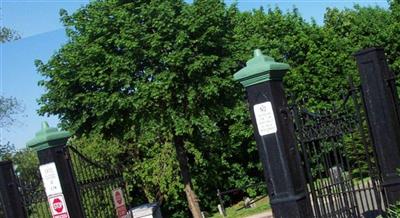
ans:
(184, 168)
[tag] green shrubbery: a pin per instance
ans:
(393, 211)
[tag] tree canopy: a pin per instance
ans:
(149, 83)
(7, 34)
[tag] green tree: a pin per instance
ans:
(149, 83)
(6, 151)
(9, 107)
(156, 77)
(26, 165)
(7, 34)
(320, 56)
(392, 47)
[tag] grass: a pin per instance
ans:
(237, 210)
(324, 182)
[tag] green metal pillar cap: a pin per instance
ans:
(259, 69)
(48, 137)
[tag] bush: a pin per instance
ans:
(394, 211)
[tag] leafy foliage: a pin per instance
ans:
(393, 211)
(7, 34)
(6, 151)
(26, 165)
(9, 107)
(152, 73)
(138, 79)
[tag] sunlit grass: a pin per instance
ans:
(237, 210)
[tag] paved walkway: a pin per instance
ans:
(267, 214)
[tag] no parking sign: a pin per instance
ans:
(53, 190)
(58, 207)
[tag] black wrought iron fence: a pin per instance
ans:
(31, 190)
(95, 183)
(34, 197)
(339, 160)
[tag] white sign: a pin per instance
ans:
(265, 118)
(118, 197)
(50, 178)
(119, 203)
(58, 207)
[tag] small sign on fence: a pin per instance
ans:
(119, 203)
(58, 207)
(52, 186)
(50, 178)
(265, 118)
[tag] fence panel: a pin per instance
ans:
(34, 197)
(339, 159)
(96, 182)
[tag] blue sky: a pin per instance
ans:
(42, 34)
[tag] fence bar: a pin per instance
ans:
(380, 104)
(12, 203)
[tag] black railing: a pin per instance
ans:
(95, 182)
(34, 197)
(339, 160)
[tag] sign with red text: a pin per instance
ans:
(121, 212)
(58, 206)
(119, 203)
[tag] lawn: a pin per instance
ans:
(237, 210)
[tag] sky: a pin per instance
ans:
(42, 34)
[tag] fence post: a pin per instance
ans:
(50, 146)
(12, 203)
(274, 134)
(380, 99)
